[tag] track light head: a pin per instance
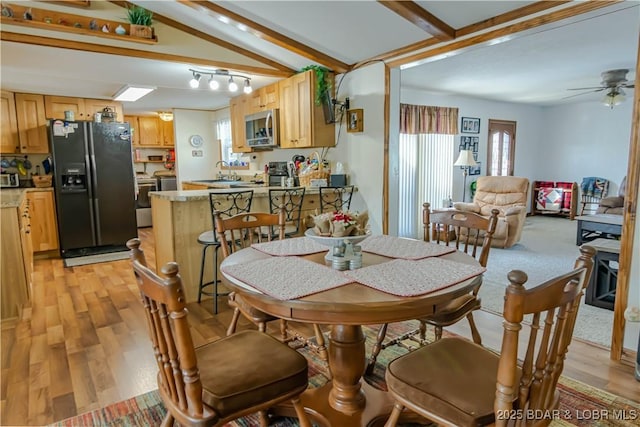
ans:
(247, 86)
(213, 83)
(232, 85)
(195, 81)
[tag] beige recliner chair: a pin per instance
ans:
(508, 194)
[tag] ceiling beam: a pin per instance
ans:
(209, 38)
(136, 53)
(413, 13)
(269, 35)
(505, 33)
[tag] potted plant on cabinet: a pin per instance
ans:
(140, 20)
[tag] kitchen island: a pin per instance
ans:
(180, 216)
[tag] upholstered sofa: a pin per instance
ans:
(508, 194)
(614, 204)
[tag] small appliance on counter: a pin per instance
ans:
(278, 174)
(9, 180)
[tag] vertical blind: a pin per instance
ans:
(426, 151)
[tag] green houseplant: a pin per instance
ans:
(323, 83)
(140, 20)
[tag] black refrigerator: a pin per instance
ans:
(94, 185)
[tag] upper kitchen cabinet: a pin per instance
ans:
(9, 126)
(32, 123)
(133, 129)
(265, 98)
(153, 132)
(238, 108)
(302, 122)
(84, 109)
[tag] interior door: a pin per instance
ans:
(501, 147)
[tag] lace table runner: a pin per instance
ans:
(410, 278)
(290, 247)
(287, 278)
(397, 247)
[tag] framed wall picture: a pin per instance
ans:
(355, 121)
(475, 170)
(470, 125)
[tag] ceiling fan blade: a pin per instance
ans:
(580, 94)
(587, 88)
(630, 85)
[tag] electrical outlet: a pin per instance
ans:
(196, 153)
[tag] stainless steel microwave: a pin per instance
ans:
(261, 129)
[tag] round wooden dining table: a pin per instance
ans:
(347, 400)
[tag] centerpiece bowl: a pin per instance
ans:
(333, 242)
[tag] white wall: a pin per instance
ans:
(193, 122)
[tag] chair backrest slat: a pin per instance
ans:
(446, 226)
(291, 200)
(242, 230)
(552, 307)
(166, 312)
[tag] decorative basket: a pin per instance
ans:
(320, 173)
(143, 31)
(42, 181)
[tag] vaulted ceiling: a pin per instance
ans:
(513, 51)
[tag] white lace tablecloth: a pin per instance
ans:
(410, 278)
(290, 247)
(287, 278)
(397, 247)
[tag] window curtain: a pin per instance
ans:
(426, 156)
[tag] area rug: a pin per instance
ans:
(580, 404)
(547, 249)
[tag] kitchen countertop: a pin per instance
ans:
(193, 195)
(12, 197)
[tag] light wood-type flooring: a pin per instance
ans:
(83, 344)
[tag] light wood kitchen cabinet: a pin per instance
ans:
(133, 129)
(44, 229)
(238, 108)
(32, 123)
(93, 106)
(166, 129)
(84, 109)
(16, 260)
(302, 122)
(265, 98)
(9, 125)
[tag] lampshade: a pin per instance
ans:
(165, 116)
(613, 97)
(465, 159)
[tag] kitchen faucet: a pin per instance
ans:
(228, 168)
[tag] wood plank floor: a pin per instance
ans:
(83, 344)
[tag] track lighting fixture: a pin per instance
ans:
(215, 84)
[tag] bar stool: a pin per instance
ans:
(334, 199)
(289, 199)
(228, 204)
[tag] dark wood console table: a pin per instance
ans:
(591, 227)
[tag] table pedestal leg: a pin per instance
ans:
(347, 362)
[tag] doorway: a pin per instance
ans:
(501, 147)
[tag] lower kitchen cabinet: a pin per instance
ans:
(16, 259)
(44, 228)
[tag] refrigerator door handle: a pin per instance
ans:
(93, 201)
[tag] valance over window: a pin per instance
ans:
(423, 119)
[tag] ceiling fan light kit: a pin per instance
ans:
(612, 81)
(232, 86)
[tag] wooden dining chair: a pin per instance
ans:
(228, 204)
(241, 374)
(456, 382)
(256, 227)
(444, 227)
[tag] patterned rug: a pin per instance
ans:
(580, 404)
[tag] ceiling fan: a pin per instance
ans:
(613, 81)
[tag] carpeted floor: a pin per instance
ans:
(580, 404)
(547, 249)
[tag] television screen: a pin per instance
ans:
(328, 108)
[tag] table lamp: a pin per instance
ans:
(465, 160)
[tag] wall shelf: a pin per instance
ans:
(66, 22)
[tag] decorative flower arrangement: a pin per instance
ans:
(341, 224)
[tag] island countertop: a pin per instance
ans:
(195, 195)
